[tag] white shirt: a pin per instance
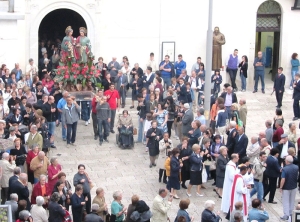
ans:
(33, 71)
(193, 82)
(284, 151)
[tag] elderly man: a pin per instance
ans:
(93, 216)
(39, 165)
(229, 98)
(200, 116)
(113, 68)
(37, 211)
(288, 186)
(17, 71)
(241, 143)
(7, 165)
(283, 146)
(265, 146)
(34, 137)
(187, 119)
(31, 68)
(60, 105)
(259, 71)
(161, 206)
(253, 149)
(136, 71)
(21, 189)
(12, 179)
(277, 133)
(269, 131)
(259, 166)
(121, 82)
(13, 202)
(207, 214)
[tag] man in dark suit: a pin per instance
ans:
(148, 78)
(20, 187)
(121, 82)
(181, 91)
(13, 179)
(283, 146)
(187, 119)
(241, 143)
(272, 172)
(231, 139)
(296, 97)
(279, 82)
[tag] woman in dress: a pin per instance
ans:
(170, 107)
(195, 133)
(83, 46)
(78, 201)
(179, 113)
(185, 152)
(165, 145)
(137, 86)
(67, 45)
(53, 170)
(161, 116)
(59, 187)
(100, 200)
(220, 170)
(117, 208)
(278, 115)
(196, 161)
(19, 154)
(154, 135)
(243, 72)
(33, 152)
(174, 180)
(215, 152)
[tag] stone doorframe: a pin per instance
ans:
(32, 49)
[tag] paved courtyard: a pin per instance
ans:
(128, 170)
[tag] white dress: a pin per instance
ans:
(230, 171)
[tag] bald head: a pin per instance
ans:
(203, 128)
(65, 94)
(41, 155)
(5, 156)
(23, 177)
(262, 134)
(254, 139)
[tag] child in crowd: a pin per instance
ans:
(168, 168)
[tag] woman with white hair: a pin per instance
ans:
(24, 215)
(118, 210)
(207, 214)
(41, 189)
(37, 211)
(46, 68)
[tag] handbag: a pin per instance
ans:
(204, 176)
(90, 183)
(212, 166)
(107, 217)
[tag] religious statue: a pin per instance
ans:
(83, 46)
(218, 41)
(67, 44)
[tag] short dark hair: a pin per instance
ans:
(149, 68)
(226, 85)
(78, 187)
(198, 57)
(167, 56)
(278, 112)
(280, 68)
(179, 55)
(274, 151)
(236, 50)
(294, 55)
(61, 174)
(81, 165)
(261, 153)
(184, 204)
(151, 54)
(175, 151)
(245, 159)
(256, 203)
(158, 79)
(198, 123)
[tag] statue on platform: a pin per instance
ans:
(218, 41)
(67, 44)
(83, 47)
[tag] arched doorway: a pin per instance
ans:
(268, 27)
(53, 25)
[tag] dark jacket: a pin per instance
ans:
(93, 217)
(22, 191)
(222, 116)
(153, 143)
(234, 98)
(139, 71)
(194, 137)
(244, 67)
(50, 116)
(213, 151)
(146, 83)
(296, 93)
(175, 167)
(182, 94)
(273, 168)
(279, 147)
(279, 82)
(56, 212)
(105, 84)
(259, 68)
(142, 110)
(231, 140)
(221, 166)
(241, 145)
(195, 162)
(208, 216)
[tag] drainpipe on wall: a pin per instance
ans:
(11, 5)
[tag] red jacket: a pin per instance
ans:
(277, 134)
(37, 191)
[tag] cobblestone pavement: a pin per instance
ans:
(127, 170)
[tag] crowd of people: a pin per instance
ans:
(33, 104)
